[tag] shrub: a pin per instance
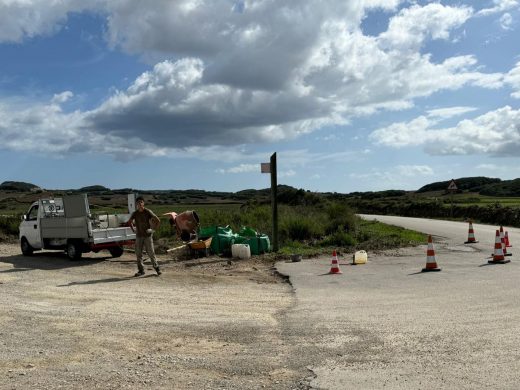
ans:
(9, 225)
(339, 214)
(298, 229)
(339, 238)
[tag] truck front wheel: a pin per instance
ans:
(116, 251)
(73, 250)
(27, 249)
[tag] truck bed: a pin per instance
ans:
(112, 234)
(64, 228)
(61, 227)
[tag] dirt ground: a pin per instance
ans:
(208, 323)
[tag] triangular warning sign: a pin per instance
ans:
(452, 185)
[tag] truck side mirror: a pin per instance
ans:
(24, 217)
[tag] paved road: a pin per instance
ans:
(455, 233)
(387, 325)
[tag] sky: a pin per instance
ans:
(365, 95)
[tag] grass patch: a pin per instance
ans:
(369, 236)
(377, 235)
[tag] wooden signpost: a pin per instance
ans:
(270, 167)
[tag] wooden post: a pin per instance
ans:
(452, 188)
(451, 207)
(274, 202)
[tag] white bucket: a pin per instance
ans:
(242, 251)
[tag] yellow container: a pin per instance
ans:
(360, 257)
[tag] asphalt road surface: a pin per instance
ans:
(387, 325)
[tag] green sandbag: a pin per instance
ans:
(246, 231)
(258, 245)
(222, 237)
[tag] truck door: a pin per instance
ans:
(30, 227)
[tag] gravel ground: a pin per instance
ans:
(212, 323)
(209, 323)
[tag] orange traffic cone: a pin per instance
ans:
(431, 264)
(334, 268)
(503, 241)
(471, 235)
(506, 236)
(498, 255)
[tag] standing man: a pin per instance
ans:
(144, 220)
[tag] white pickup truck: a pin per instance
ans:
(66, 224)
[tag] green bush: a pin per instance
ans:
(298, 229)
(9, 225)
(339, 214)
(339, 238)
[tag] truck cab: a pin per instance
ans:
(30, 234)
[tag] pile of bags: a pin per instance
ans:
(224, 238)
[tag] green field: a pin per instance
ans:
(308, 221)
(460, 199)
(484, 200)
(304, 229)
(314, 227)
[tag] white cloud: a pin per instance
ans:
(396, 177)
(496, 133)
(45, 129)
(242, 168)
(287, 173)
(410, 28)
(506, 21)
(403, 133)
(491, 167)
(333, 74)
(499, 6)
(62, 97)
(176, 109)
(293, 158)
(34, 127)
(247, 168)
(384, 4)
(328, 137)
(21, 19)
(449, 112)
(229, 74)
(414, 170)
(513, 79)
(506, 170)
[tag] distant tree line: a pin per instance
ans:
(481, 185)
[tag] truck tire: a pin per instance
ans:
(116, 251)
(27, 249)
(73, 250)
